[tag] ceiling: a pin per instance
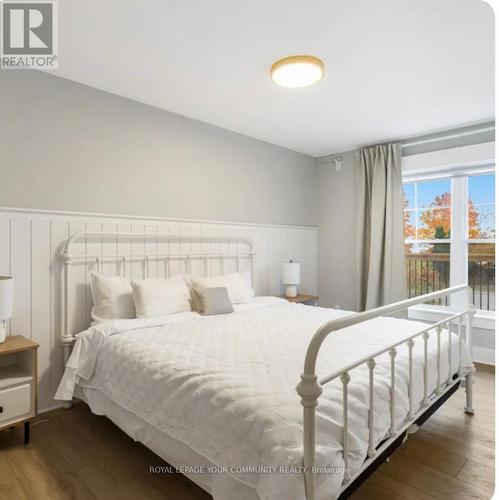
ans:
(394, 68)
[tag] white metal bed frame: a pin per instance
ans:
(310, 386)
(70, 258)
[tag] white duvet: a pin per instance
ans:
(225, 385)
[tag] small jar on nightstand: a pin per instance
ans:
(303, 299)
(18, 383)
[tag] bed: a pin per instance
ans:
(216, 397)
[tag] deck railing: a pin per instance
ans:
(481, 279)
(431, 272)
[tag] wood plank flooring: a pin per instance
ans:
(77, 455)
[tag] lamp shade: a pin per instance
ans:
(291, 273)
(6, 297)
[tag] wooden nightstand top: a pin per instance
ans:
(16, 343)
(302, 298)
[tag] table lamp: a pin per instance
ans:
(291, 277)
(6, 297)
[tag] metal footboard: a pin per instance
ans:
(310, 386)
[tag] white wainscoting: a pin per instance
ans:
(30, 245)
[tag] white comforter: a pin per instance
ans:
(225, 385)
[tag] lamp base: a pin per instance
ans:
(3, 331)
(291, 291)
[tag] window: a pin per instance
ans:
(427, 221)
(449, 227)
(481, 240)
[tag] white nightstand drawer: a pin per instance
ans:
(15, 402)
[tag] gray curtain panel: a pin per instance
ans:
(381, 227)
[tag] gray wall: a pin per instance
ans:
(338, 233)
(65, 146)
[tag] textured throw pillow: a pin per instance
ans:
(156, 297)
(213, 301)
(238, 285)
(112, 296)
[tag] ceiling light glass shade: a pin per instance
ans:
(297, 71)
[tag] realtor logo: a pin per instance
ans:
(29, 35)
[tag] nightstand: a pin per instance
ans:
(18, 383)
(303, 299)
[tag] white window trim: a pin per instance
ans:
(458, 247)
(445, 162)
(483, 319)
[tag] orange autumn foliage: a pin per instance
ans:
(435, 222)
(436, 219)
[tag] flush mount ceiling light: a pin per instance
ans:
(297, 71)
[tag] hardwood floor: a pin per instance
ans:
(77, 455)
(451, 456)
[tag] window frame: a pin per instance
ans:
(459, 240)
(416, 210)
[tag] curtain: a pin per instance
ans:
(381, 229)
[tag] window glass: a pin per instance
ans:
(428, 269)
(409, 195)
(434, 224)
(481, 206)
(409, 224)
(481, 188)
(481, 275)
(427, 210)
(433, 193)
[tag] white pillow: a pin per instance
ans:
(112, 297)
(238, 285)
(158, 297)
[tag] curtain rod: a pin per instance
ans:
(449, 136)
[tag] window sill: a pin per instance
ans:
(481, 319)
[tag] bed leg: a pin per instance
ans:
(469, 394)
(413, 428)
(67, 343)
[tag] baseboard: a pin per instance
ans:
(51, 408)
(484, 356)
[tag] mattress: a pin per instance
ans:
(224, 387)
(180, 457)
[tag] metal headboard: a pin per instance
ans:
(69, 258)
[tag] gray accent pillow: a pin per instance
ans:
(213, 300)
